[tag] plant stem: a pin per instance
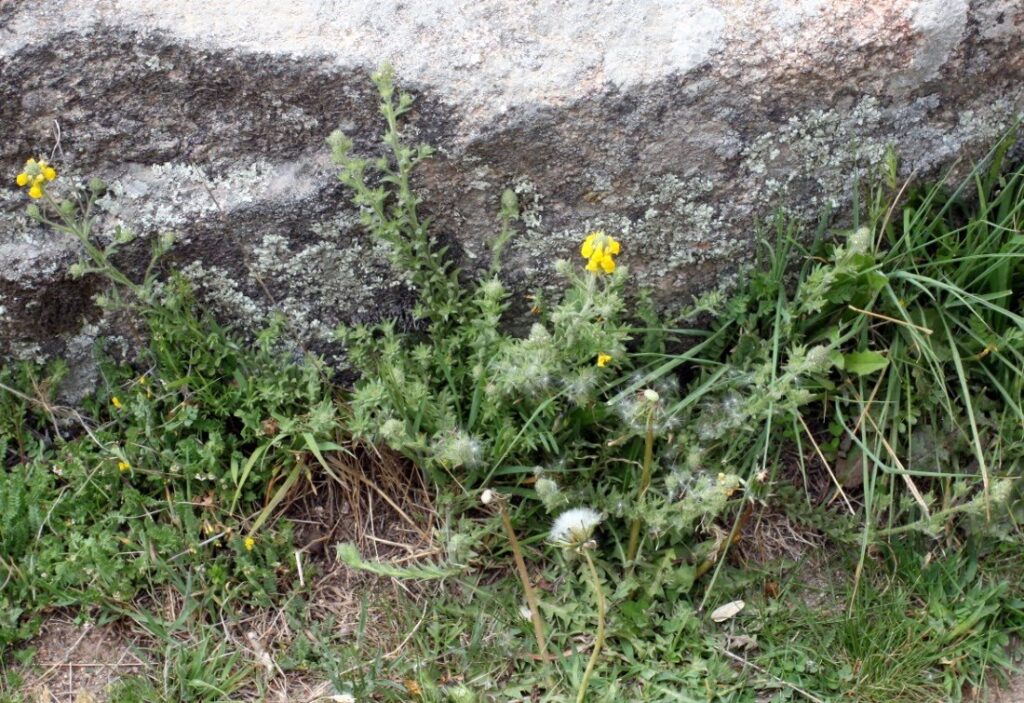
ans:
(524, 577)
(599, 640)
(645, 482)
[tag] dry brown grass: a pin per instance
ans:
(770, 534)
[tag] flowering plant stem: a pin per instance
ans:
(524, 576)
(599, 640)
(645, 482)
(81, 229)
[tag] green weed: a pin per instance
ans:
(866, 382)
(172, 466)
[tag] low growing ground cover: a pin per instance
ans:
(807, 488)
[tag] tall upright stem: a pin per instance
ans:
(599, 640)
(645, 482)
(524, 576)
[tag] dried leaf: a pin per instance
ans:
(727, 611)
(741, 642)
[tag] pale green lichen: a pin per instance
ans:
(531, 205)
(174, 195)
(690, 221)
(337, 275)
(804, 167)
(819, 152)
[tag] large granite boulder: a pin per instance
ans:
(677, 125)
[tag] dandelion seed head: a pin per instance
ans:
(574, 527)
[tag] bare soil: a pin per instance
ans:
(78, 663)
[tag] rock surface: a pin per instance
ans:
(677, 125)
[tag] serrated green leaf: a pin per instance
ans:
(863, 363)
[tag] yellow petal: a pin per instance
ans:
(50, 173)
(613, 246)
(22, 179)
(587, 250)
(35, 192)
(608, 264)
(38, 179)
(603, 359)
(592, 265)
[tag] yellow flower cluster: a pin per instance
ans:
(249, 543)
(35, 176)
(599, 249)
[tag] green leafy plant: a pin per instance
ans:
(462, 396)
(179, 461)
(541, 416)
(864, 382)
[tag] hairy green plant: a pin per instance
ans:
(478, 406)
(462, 396)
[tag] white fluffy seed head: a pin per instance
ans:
(574, 527)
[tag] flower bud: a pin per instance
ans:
(510, 203)
(123, 235)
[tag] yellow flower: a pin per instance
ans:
(603, 359)
(249, 543)
(123, 466)
(599, 250)
(34, 176)
(587, 250)
(116, 402)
